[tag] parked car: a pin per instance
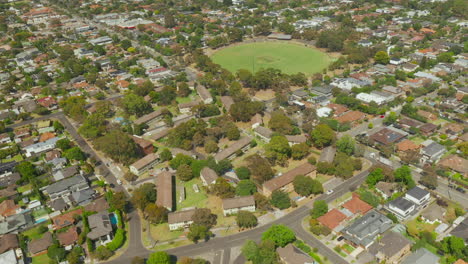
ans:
(460, 189)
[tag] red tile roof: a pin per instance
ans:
(66, 219)
(332, 219)
(69, 237)
(357, 206)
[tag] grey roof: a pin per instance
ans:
(328, 154)
(263, 131)
(58, 204)
(326, 89)
(433, 149)
(401, 203)
(292, 255)
(83, 197)
(421, 256)
(9, 179)
(390, 244)
(225, 153)
(209, 175)
(65, 184)
(15, 222)
(364, 230)
(461, 230)
(99, 224)
(65, 173)
(417, 193)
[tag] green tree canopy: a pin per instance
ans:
(320, 208)
(245, 187)
(280, 200)
(322, 135)
(281, 235)
(159, 257)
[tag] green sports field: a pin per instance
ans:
(288, 57)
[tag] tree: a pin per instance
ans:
(197, 232)
(204, 217)
(129, 176)
(63, 144)
(278, 148)
(280, 123)
(74, 257)
(453, 245)
(125, 44)
(159, 257)
(222, 188)
(281, 235)
(280, 200)
(403, 174)
(58, 127)
(144, 195)
(27, 170)
(75, 153)
(245, 187)
(306, 186)
(382, 57)
(265, 253)
(429, 179)
(260, 168)
(184, 172)
(300, 151)
(243, 173)
(320, 208)
(390, 119)
(261, 202)
(135, 105)
(119, 146)
(346, 144)
(344, 170)
(118, 201)
(374, 177)
(322, 136)
(102, 253)
(165, 155)
(211, 146)
(179, 160)
(246, 219)
(249, 250)
(156, 214)
(74, 107)
(56, 252)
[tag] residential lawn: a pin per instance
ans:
(215, 205)
(417, 140)
(192, 199)
(172, 245)
(322, 178)
(161, 232)
(181, 100)
(415, 226)
(40, 259)
(24, 188)
(39, 213)
(33, 233)
(450, 214)
(16, 158)
(288, 57)
(348, 248)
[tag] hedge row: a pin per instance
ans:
(118, 240)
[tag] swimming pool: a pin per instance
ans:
(113, 219)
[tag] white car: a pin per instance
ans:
(119, 182)
(329, 191)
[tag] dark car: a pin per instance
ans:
(460, 189)
(340, 238)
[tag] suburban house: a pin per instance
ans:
(418, 196)
(164, 190)
(333, 219)
(327, 154)
(100, 228)
(386, 189)
(8, 208)
(230, 152)
(66, 219)
(391, 248)
(421, 256)
(461, 228)
(65, 173)
(9, 178)
(455, 163)
(285, 180)
(227, 102)
(144, 164)
(296, 139)
(432, 151)
(365, 229)
(41, 146)
(263, 133)
(8, 242)
(145, 145)
(150, 118)
(357, 206)
(351, 117)
(15, 223)
(204, 94)
(68, 238)
(407, 145)
(39, 246)
(208, 176)
(236, 204)
(401, 207)
(186, 108)
(181, 219)
(388, 135)
(293, 255)
(64, 188)
(433, 213)
(427, 129)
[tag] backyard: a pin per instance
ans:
(192, 198)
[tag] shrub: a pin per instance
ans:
(118, 240)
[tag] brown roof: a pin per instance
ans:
(239, 144)
(434, 212)
(292, 255)
(164, 189)
(238, 202)
(203, 92)
(351, 116)
(332, 219)
(209, 175)
(148, 117)
(338, 109)
(97, 205)
(357, 206)
(460, 261)
(263, 131)
(427, 115)
(410, 122)
(387, 136)
(50, 155)
(8, 208)
(141, 163)
(39, 245)
(386, 187)
(180, 216)
(188, 104)
(143, 143)
(7, 242)
(160, 134)
(296, 138)
(428, 127)
(66, 219)
(407, 145)
(455, 163)
(227, 102)
(68, 237)
(288, 177)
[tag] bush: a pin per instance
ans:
(102, 253)
(118, 240)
